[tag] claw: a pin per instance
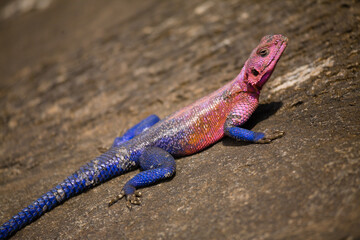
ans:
(129, 206)
(117, 198)
(132, 199)
(271, 135)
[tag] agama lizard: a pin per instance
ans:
(151, 145)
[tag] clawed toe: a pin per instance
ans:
(271, 135)
(117, 198)
(131, 199)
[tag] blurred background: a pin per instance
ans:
(76, 74)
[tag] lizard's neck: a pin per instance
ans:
(240, 86)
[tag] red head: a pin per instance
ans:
(263, 59)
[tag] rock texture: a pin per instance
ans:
(74, 74)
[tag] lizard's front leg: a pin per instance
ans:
(156, 164)
(242, 134)
(238, 116)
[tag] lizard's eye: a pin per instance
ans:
(263, 52)
(254, 72)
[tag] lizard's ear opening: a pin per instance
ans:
(253, 75)
(254, 72)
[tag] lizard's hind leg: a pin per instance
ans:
(142, 126)
(156, 165)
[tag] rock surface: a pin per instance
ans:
(73, 74)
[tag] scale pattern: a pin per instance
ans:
(152, 144)
(102, 168)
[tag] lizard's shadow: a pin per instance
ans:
(262, 112)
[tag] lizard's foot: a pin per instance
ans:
(271, 135)
(133, 199)
(130, 199)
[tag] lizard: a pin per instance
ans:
(152, 144)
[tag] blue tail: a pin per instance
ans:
(101, 169)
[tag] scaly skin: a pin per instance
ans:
(152, 144)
